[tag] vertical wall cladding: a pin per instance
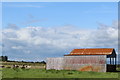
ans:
(85, 63)
(54, 63)
(95, 63)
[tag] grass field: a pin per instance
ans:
(42, 73)
(33, 65)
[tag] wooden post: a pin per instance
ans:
(113, 61)
(110, 60)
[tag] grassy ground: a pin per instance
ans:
(42, 73)
(33, 65)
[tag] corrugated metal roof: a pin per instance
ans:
(91, 51)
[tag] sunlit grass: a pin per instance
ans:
(42, 73)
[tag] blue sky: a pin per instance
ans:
(60, 1)
(52, 14)
(33, 31)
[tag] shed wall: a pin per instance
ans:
(54, 63)
(82, 63)
(85, 63)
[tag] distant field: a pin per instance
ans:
(33, 65)
(42, 73)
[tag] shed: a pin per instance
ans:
(87, 59)
(91, 59)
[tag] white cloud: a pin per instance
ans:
(16, 47)
(41, 42)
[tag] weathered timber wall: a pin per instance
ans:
(85, 63)
(54, 63)
(81, 63)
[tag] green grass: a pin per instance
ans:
(21, 63)
(42, 73)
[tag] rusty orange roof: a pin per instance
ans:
(91, 51)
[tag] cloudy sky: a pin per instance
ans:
(37, 30)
